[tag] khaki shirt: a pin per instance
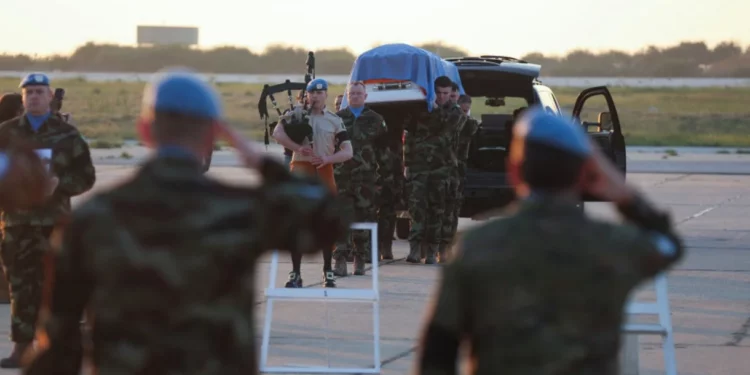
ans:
(325, 129)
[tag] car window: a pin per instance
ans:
(548, 102)
(480, 106)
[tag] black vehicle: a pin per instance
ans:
(498, 79)
(502, 82)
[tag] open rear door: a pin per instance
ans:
(595, 110)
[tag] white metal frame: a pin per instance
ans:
(327, 295)
(662, 309)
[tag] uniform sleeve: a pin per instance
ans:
(654, 246)
(342, 136)
(77, 174)
(58, 331)
(445, 325)
(299, 213)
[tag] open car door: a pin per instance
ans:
(605, 129)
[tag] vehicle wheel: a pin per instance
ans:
(403, 226)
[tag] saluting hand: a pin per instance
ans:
(248, 154)
(605, 181)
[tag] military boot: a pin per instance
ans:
(414, 253)
(339, 267)
(385, 249)
(432, 251)
(14, 360)
(328, 279)
(359, 265)
(295, 280)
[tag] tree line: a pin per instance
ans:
(686, 59)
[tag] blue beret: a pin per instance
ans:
(184, 92)
(539, 126)
(34, 79)
(317, 84)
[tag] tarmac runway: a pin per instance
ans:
(709, 290)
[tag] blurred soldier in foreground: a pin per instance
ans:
(166, 261)
(25, 182)
(26, 232)
(322, 143)
(11, 105)
(358, 178)
(544, 290)
(430, 162)
(464, 144)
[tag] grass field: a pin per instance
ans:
(107, 111)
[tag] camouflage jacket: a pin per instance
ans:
(430, 142)
(543, 291)
(71, 163)
(167, 264)
(372, 160)
(464, 139)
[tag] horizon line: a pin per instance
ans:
(595, 51)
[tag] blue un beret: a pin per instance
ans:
(317, 84)
(184, 92)
(536, 125)
(34, 79)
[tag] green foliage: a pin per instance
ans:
(107, 111)
(688, 59)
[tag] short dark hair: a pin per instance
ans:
(179, 126)
(549, 168)
(464, 99)
(443, 81)
(10, 105)
(454, 86)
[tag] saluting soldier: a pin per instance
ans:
(167, 260)
(358, 179)
(543, 291)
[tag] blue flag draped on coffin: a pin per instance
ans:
(399, 61)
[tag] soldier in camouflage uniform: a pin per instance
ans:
(430, 162)
(358, 178)
(450, 221)
(26, 232)
(544, 290)
(464, 143)
(167, 260)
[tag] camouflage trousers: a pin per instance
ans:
(360, 199)
(450, 218)
(459, 200)
(427, 198)
(387, 220)
(23, 250)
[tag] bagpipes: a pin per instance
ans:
(297, 127)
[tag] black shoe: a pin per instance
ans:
(295, 280)
(330, 282)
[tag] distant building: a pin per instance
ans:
(167, 35)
